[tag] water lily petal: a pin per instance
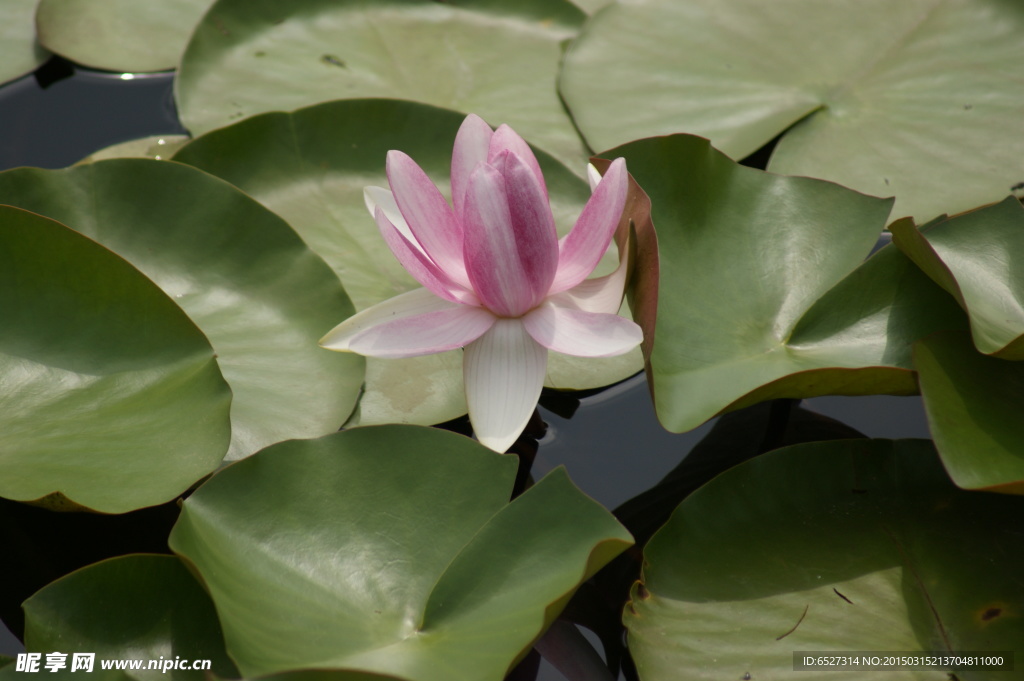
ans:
(580, 333)
(582, 248)
(429, 216)
(379, 196)
(504, 373)
(471, 145)
(532, 223)
(412, 324)
(593, 177)
(491, 247)
(407, 304)
(507, 139)
(600, 294)
(420, 266)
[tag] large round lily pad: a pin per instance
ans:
(119, 35)
(249, 282)
(498, 59)
(979, 258)
(141, 608)
(918, 98)
(389, 549)
(19, 50)
(762, 289)
(111, 395)
(311, 167)
(857, 545)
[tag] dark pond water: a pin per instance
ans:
(611, 444)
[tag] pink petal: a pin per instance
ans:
(583, 334)
(422, 269)
(582, 248)
(506, 139)
(412, 324)
(429, 216)
(496, 239)
(533, 224)
(471, 145)
(504, 372)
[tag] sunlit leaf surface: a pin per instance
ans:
(110, 395)
(979, 258)
(498, 59)
(762, 289)
(248, 281)
(119, 35)
(920, 99)
(20, 52)
(390, 549)
(158, 147)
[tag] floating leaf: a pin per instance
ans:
(111, 396)
(498, 59)
(249, 282)
(19, 51)
(762, 290)
(119, 35)
(973, 407)
(157, 147)
(838, 546)
(919, 98)
(389, 549)
(979, 258)
(311, 167)
(138, 607)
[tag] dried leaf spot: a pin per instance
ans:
(991, 614)
(642, 592)
(331, 60)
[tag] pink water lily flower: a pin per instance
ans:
(496, 279)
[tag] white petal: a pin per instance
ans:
(583, 334)
(503, 372)
(379, 196)
(471, 145)
(415, 323)
(593, 177)
(600, 294)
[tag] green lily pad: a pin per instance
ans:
(498, 59)
(249, 282)
(978, 258)
(839, 546)
(311, 167)
(119, 35)
(762, 289)
(20, 53)
(157, 147)
(920, 98)
(392, 550)
(973, 407)
(138, 607)
(111, 395)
